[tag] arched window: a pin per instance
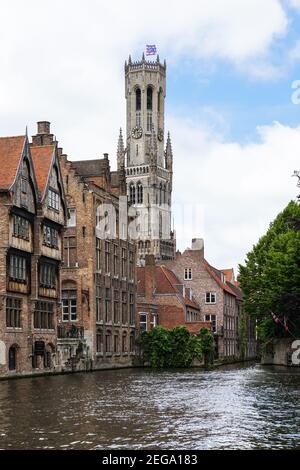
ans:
(140, 195)
(149, 98)
(138, 99)
(159, 98)
(132, 193)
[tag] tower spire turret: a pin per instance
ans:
(148, 163)
(121, 151)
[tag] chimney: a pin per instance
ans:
(43, 136)
(198, 245)
(105, 155)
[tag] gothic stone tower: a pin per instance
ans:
(147, 163)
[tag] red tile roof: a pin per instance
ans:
(11, 149)
(42, 158)
(165, 283)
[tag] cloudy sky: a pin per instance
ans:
(231, 65)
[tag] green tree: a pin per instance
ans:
(270, 278)
(207, 345)
(175, 348)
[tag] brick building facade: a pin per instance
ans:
(163, 300)
(220, 300)
(32, 214)
(97, 327)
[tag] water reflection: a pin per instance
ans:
(232, 408)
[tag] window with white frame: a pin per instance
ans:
(210, 298)
(53, 199)
(69, 305)
(143, 322)
(188, 274)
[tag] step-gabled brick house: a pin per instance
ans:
(32, 215)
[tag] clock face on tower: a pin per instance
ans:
(137, 132)
(160, 135)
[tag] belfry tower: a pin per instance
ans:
(147, 161)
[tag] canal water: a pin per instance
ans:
(251, 407)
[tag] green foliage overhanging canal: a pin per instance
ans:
(175, 348)
(270, 278)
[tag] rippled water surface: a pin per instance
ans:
(229, 408)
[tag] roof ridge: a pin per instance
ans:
(219, 281)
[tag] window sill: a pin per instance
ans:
(108, 354)
(15, 329)
(98, 354)
(44, 330)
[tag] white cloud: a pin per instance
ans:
(63, 61)
(241, 188)
(294, 4)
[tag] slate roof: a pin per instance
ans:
(86, 168)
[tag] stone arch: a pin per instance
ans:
(13, 357)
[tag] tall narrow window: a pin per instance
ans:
(124, 308)
(99, 341)
(124, 263)
(138, 99)
(132, 194)
(107, 305)
(116, 260)
(13, 312)
(99, 316)
(159, 98)
(116, 307)
(98, 254)
(107, 257)
(69, 305)
(131, 309)
(17, 268)
(149, 98)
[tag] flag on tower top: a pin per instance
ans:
(151, 49)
